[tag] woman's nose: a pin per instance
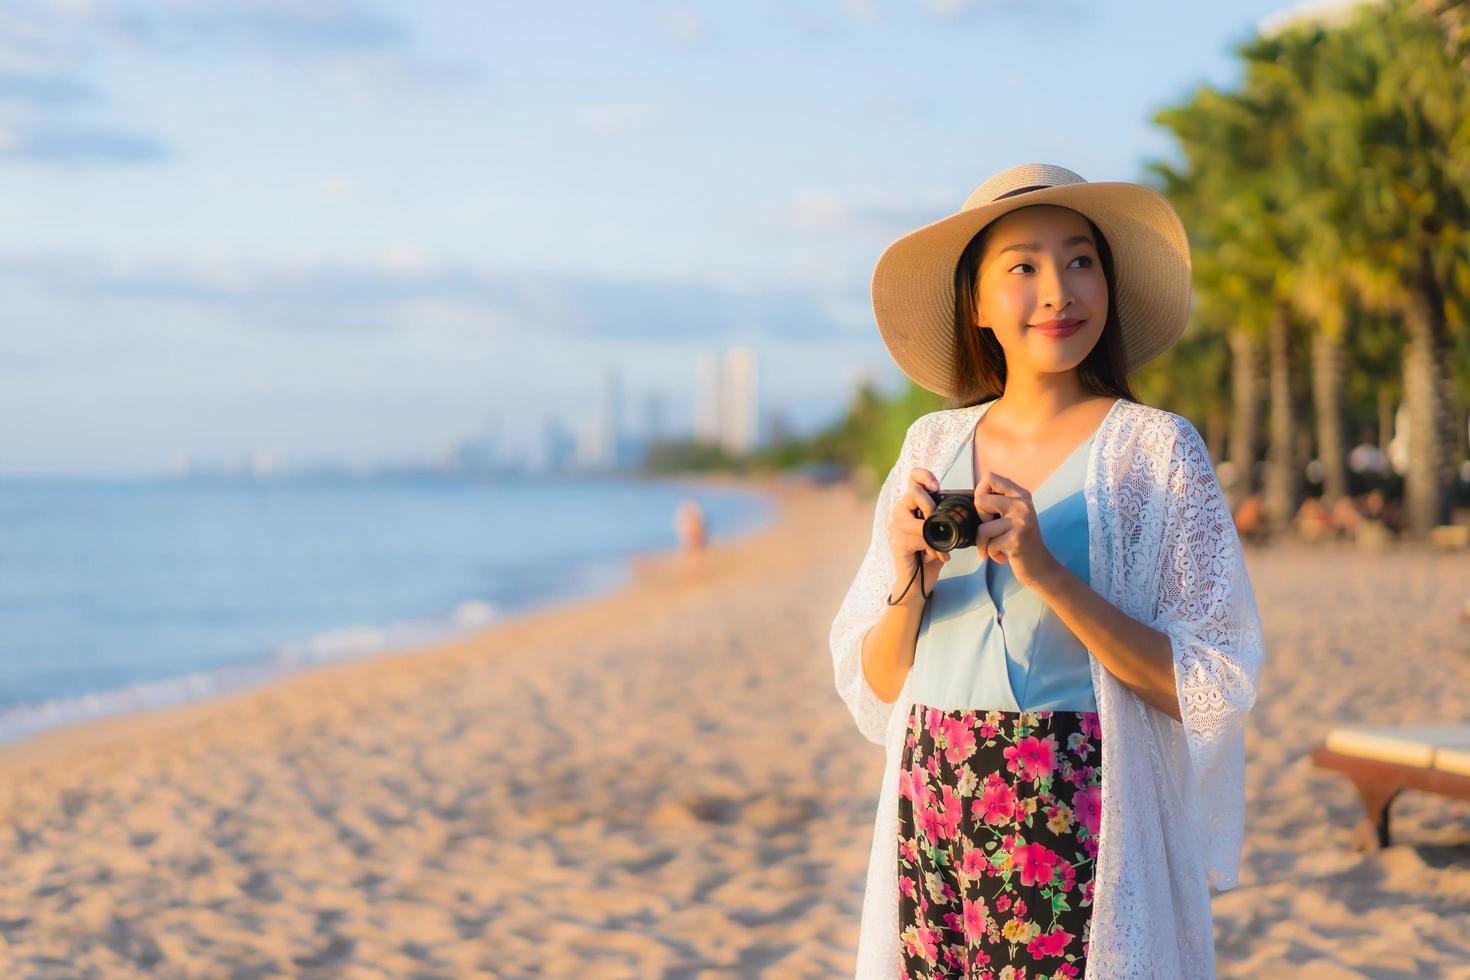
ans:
(1054, 292)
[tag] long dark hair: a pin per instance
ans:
(980, 361)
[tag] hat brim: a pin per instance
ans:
(913, 282)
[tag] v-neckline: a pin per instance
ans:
(975, 470)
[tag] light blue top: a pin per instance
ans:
(988, 642)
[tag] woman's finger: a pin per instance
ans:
(988, 531)
(996, 483)
(998, 503)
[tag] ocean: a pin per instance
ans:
(121, 595)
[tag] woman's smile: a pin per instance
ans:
(1059, 328)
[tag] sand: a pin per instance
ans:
(662, 782)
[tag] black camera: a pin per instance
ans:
(954, 522)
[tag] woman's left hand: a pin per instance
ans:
(1014, 535)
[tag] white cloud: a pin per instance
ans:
(336, 187)
(863, 212)
(863, 10)
(681, 23)
(614, 118)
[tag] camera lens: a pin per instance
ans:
(953, 523)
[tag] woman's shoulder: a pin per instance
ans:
(930, 432)
(1158, 425)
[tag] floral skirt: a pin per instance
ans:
(997, 820)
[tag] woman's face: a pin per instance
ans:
(1041, 265)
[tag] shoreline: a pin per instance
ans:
(50, 743)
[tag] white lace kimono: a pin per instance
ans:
(1165, 551)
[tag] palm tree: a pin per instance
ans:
(1395, 135)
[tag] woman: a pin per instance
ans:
(1063, 705)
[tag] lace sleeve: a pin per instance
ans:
(1207, 608)
(860, 612)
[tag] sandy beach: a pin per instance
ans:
(662, 782)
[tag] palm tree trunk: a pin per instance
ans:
(1282, 474)
(1246, 384)
(1426, 357)
(1327, 385)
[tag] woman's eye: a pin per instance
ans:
(1084, 258)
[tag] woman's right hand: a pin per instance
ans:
(906, 535)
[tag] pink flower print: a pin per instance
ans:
(1068, 970)
(1078, 745)
(1034, 758)
(997, 801)
(1020, 908)
(972, 864)
(987, 730)
(1052, 943)
(1087, 806)
(953, 811)
(1090, 724)
(930, 824)
(906, 886)
(1066, 875)
(1003, 903)
(1037, 864)
(913, 786)
(974, 920)
(922, 941)
(959, 740)
(934, 721)
(910, 850)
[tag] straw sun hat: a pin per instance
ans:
(914, 289)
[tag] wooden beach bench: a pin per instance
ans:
(1384, 761)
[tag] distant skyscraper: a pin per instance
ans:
(597, 435)
(740, 402)
(612, 413)
(653, 416)
(707, 400)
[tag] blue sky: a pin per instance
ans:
(360, 231)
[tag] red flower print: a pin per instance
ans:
(1037, 864)
(1066, 874)
(922, 941)
(1089, 723)
(913, 785)
(934, 722)
(997, 801)
(954, 808)
(930, 824)
(1034, 758)
(959, 741)
(1003, 903)
(974, 918)
(1087, 805)
(1052, 943)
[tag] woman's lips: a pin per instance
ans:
(1059, 328)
